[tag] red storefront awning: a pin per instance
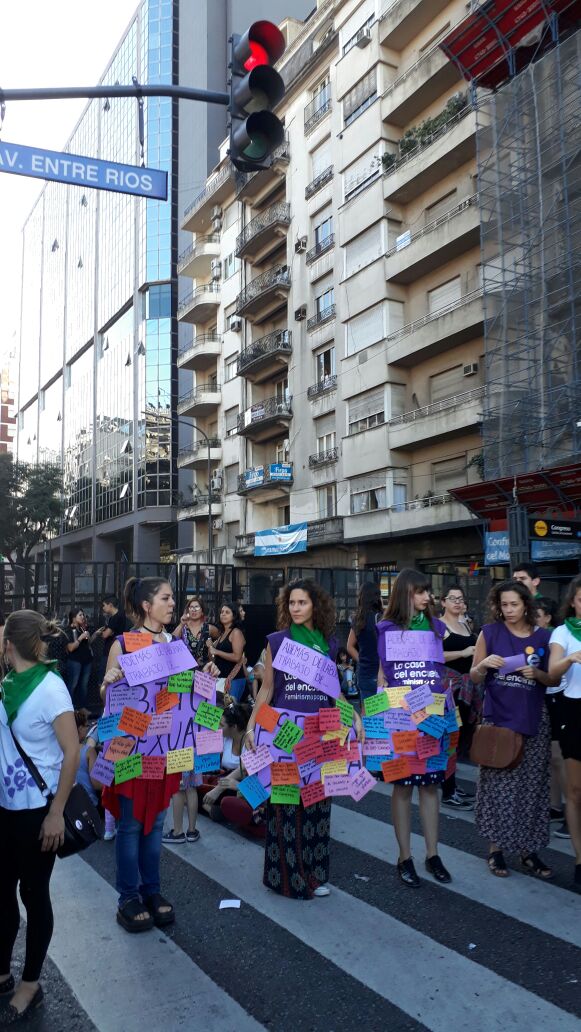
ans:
(544, 492)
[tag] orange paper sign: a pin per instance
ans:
(404, 741)
(284, 774)
(134, 641)
(419, 716)
(165, 700)
(394, 770)
(267, 717)
(134, 722)
(119, 748)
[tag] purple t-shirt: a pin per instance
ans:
(408, 672)
(511, 700)
(289, 692)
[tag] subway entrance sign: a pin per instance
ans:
(82, 171)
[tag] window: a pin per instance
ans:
(361, 173)
(321, 93)
(364, 329)
(232, 531)
(400, 497)
(230, 368)
(231, 421)
(327, 501)
(360, 97)
(230, 217)
(325, 364)
(281, 390)
(231, 265)
(325, 301)
(368, 493)
(321, 159)
(367, 410)
(325, 433)
(364, 249)
(448, 474)
(433, 211)
(231, 478)
(283, 515)
(281, 450)
(446, 294)
(356, 35)
(447, 384)
(324, 230)
(159, 302)
(364, 17)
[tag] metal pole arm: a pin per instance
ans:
(91, 92)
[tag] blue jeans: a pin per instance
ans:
(367, 685)
(78, 681)
(137, 855)
(237, 688)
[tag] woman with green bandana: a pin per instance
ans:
(565, 662)
(37, 711)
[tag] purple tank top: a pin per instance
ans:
(511, 700)
(291, 694)
(406, 672)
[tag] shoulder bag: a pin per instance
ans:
(83, 824)
(498, 747)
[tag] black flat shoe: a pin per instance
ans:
(7, 986)
(128, 917)
(10, 1016)
(407, 873)
(161, 917)
(436, 868)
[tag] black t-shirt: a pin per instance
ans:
(83, 654)
(118, 623)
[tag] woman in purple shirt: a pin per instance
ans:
(513, 806)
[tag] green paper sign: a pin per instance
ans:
(208, 716)
(288, 736)
(127, 768)
(288, 795)
(181, 682)
(376, 704)
(346, 710)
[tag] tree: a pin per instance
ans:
(31, 507)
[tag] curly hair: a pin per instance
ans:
(494, 599)
(324, 616)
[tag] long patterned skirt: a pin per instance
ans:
(512, 806)
(296, 857)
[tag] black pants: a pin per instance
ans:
(21, 862)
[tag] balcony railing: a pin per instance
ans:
(428, 141)
(321, 248)
(328, 383)
(323, 458)
(270, 408)
(277, 343)
(279, 276)
(278, 213)
(438, 406)
(325, 531)
(278, 473)
(319, 182)
(317, 110)
(244, 543)
(468, 202)
(321, 317)
(210, 189)
(212, 238)
(206, 288)
(198, 393)
(199, 341)
(417, 324)
(199, 448)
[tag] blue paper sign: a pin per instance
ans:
(107, 727)
(374, 762)
(434, 726)
(253, 791)
(77, 170)
(451, 722)
(375, 726)
(206, 762)
(437, 762)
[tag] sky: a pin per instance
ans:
(61, 43)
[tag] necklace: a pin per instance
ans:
(146, 628)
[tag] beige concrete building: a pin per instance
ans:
(335, 304)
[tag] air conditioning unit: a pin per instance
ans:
(216, 268)
(216, 218)
(217, 524)
(363, 38)
(235, 324)
(301, 313)
(216, 483)
(301, 245)
(470, 370)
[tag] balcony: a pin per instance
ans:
(317, 109)
(196, 260)
(414, 90)
(402, 20)
(451, 417)
(199, 508)
(319, 182)
(321, 248)
(323, 458)
(424, 251)
(267, 357)
(265, 294)
(255, 187)
(430, 161)
(264, 234)
(324, 315)
(434, 514)
(328, 531)
(267, 483)
(437, 332)
(244, 545)
(201, 353)
(265, 420)
(201, 400)
(195, 456)
(197, 217)
(328, 383)
(200, 304)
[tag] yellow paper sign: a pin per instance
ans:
(459, 720)
(438, 706)
(179, 760)
(340, 735)
(397, 696)
(333, 767)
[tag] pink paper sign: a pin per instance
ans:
(361, 784)
(160, 724)
(103, 770)
(205, 685)
(209, 742)
(309, 666)
(377, 747)
(255, 761)
(413, 646)
(157, 661)
(338, 784)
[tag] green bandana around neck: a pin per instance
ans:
(573, 624)
(313, 639)
(419, 622)
(17, 688)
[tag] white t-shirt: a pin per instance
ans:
(33, 728)
(572, 679)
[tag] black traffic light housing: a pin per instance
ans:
(255, 88)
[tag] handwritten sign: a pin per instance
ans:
(310, 771)
(309, 749)
(418, 715)
(288, 736)
(312, 794)
(160, 724)
(416, 765)
(286, 795)
(209, 716)
(338, 785)
(119, 748)
(329, 719)
(311, 724)
(205, 685)
(179, 760)
(451, 722)
(331, 750)
(128, 768)
(254, 792)
(404, 741)
(134, 722)
(120, 695)
(395, 770)
(308, 665)
(107, 727)
(374, 726)
(376, 704)
(284, 774)
(438, 706)
(181, 682)
(413, 646)
(134, 641)
(435, 726)
(267, 717)
(376, 747)
(255, 761)
(103, 770)
(419, 697)
(158, 661)
(207, 762)
(427, 746)
(361, 784)
(397, 696)
(335, 767)
(399, 720)
(165, 701)
(209, 742)
(347, 711)
(437, 762)
(153, 768)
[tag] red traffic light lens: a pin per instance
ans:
(258, 56)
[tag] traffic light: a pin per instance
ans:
(255, 88)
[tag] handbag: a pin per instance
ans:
(498, 747)
(83, 824)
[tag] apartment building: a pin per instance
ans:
(332, 305)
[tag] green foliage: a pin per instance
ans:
(420, 135)
(31, 507)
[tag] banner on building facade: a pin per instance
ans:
(496, 548)
(281, 540)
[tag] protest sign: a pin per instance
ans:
(156, 662)
(329, 719)
(361, 784)
(127, 768)
(205, 685)
(134, 722)
(255, 761)
(311, 794)
(338, 785)
(180, 760)
(253, 791)
(419, 697)
(288, 736)
(413, 646)
(404, 741)
(134, 641)
(181, 682)
(287, 795)
(394, 770)
(165, 701)
(153, 768)
(119, 748)
(209, 742)
(103, 770)
(375, 704)
(208, 715)
(284, 774)
(206, 762)
(308, 665)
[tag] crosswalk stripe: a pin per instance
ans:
(146, 981)
(398, 963)
(532, 902)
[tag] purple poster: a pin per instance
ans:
(413, 646)
(156, 662)
(308, 665)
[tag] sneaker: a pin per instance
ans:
(465, 795)
(322, 890)
(192, 836)
(557, 814)
(173, 840)
(407, 873)
(436, 868)
(109, 835)
(456, 803)
(562, 831)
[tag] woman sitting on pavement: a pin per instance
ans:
(88, 743)
(233, 724)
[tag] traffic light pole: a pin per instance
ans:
(136, 90)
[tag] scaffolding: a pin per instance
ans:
(529, 182)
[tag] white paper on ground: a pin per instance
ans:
(229, 904)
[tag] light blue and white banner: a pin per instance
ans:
(496, 548)
(281, 540)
